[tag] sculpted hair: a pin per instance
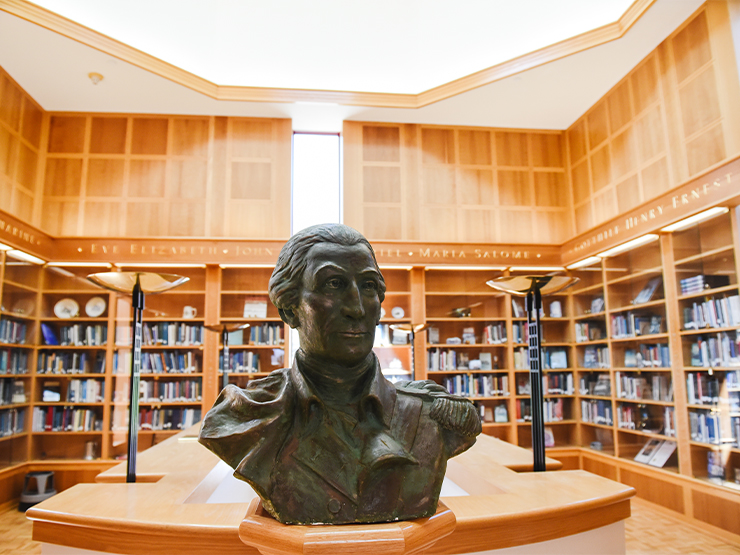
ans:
(285, 282)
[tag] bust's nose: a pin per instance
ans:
(352, 302)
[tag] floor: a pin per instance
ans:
(648, 532)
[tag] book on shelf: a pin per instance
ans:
(648, 450)
(433, 335)
(49, 335)
(468, 336)
(597, 305)
(486, 362)
(500, 414)
(715, 466)
(549, 437)
(517, 309)
(556, 358)
(255, 308)
(662, 453)
(648, 291)
(698, 283)
(717, 312)
(236, 337)
(51, 392)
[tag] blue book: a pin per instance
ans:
(50, 338)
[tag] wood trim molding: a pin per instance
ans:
(84, 35)
(717, 185)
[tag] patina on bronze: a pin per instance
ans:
(330, 440)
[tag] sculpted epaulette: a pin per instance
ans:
(449, 411)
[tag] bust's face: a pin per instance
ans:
(339, 304)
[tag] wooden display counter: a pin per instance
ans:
(174, 509)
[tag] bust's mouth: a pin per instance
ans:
(353, 333)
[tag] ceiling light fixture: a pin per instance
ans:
(453, 267)
(4, 247)
(585, 262)
(696, 218)
(157, 265)
(649, 238)
(95, 77)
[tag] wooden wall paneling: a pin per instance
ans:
(669, 108)
(217, 176)
(353, 134)
(11, 100)
(411, 193)
(726, 72)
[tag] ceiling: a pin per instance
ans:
(495, 63)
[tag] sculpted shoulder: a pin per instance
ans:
(452, 412)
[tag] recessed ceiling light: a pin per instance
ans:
(649, 238)
(696, 218)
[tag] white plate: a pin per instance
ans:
(397, 312)
(95, 307)
(67, 308)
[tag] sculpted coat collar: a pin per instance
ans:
(379, 396)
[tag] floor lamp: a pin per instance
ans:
(136, 284)
(534, 288)
(225, 330)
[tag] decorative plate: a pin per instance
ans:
(67, 308)
(397, 312)
(382, 312)
(95, 307)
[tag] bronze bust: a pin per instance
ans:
(330, 440)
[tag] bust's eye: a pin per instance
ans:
(370, 285)
(334, 283)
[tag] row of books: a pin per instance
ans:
(521, 358)
(553, 383)
(718, 312)
(477, 385)
(267, 334)
(553, 410)
(241, 361)
(498, 414)
(85, 391)
(655, 388)
(624, 326)
(13, 361)
(494, 334)
(71, 362)
(177, 390)
(702, 389)
(595, 384)
(596, 357)
(520, 331)
(705, 427)
(158, 419)
(450, 359)
(656, 355)
(652, 420)
(596, 411)
(161, 362)
(554, 358)
(697, 284)
(12, 331)
(66, 419)
(12, 422)
(589, 331)
(75, 334)
(12, 392)
(163, 333)
(721, 349)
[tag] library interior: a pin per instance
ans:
(610, 155)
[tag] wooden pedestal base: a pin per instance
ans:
(260, 530)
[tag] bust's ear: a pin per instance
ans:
(289, 316)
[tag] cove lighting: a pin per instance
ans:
(451, 267)
(81, 264)
(394, 267)
(4, 247)
(157, 265)
(20, 255)
(696, 218)
(649, 238)
(585, 262)
(246, 265)
(536, 268)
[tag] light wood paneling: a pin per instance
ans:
(158, 176)
(460, 184)
(670, 118)
(21, 123)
